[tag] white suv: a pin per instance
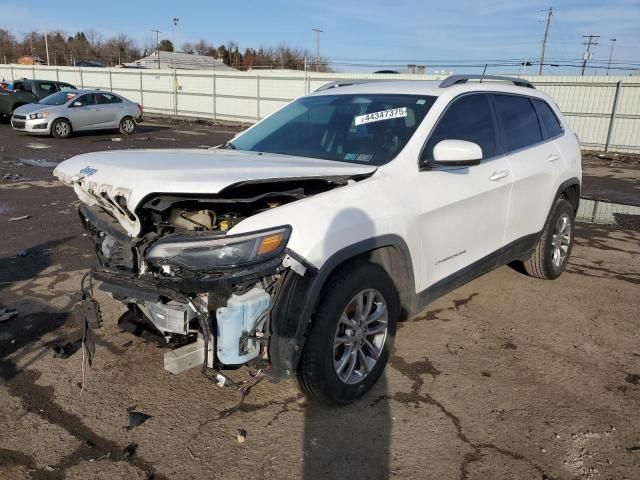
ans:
(299, 245)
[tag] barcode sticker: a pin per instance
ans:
(379, 116)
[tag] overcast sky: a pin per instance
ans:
(359, 29)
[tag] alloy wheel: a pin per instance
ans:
(360, 336)
(561, 240)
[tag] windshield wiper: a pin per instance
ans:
(230, 146)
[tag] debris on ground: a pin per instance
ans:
(63, 351)
(7, 314)
(633, 378)
(129, 452)
(242, 435)
(12, 176)
(22, 253)
(136, 418)
(17, 219)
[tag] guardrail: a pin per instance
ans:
(603, 111)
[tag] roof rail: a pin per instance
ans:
(345, 83)
(457, 79)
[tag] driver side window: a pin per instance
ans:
(468, 118)
(83, 101)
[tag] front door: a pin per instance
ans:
(83, 112)
(464, 209)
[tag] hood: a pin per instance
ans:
(135, 174)
(32, 108)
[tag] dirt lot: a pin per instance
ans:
(508, 377)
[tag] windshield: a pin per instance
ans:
(369, 129)
(58, 98)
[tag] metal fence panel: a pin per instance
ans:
(587, 102)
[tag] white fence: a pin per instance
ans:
(603, 111)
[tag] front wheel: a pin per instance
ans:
(351, 335)
(550, 257)
(61, 128)
(127, 126)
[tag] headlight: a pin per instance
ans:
(33, 116)
(210, 253)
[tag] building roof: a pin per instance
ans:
(179, 60)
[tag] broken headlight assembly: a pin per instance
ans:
(207, 252)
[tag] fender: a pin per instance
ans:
(294, 307)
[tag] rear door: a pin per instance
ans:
(534, 162)
(111, 109)
(464, 209)
(44, 89)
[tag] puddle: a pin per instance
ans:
(37, 163)
(38, 146)
(188, 132)
(606, 213)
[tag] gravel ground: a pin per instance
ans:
(507, 377)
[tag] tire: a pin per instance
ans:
(61, 128)
(127, 126)
(552, 252)
(319, 373)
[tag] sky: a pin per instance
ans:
(359, 34)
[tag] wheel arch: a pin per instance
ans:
(294, 308)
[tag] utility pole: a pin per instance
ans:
(587, 53)
(46, 44)
(157, 32)
(544, 40)
(318, 32)
(613, 42)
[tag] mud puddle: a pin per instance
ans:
(37, 163)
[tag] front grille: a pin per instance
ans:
(17, 124)
(20, 117)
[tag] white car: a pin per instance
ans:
(65, 112)
(301, 243)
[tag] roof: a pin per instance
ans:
(184, 61)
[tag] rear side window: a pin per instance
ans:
(468, 118)
(550, 123)
(47, 88)
(65, 87)
(107, 98)
(519, 121)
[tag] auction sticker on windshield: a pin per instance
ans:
(379, 116)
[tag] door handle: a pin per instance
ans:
(553, 157)
(498, 174)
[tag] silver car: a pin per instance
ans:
(70, 111)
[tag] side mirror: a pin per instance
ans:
(77, 103)
(456, 153)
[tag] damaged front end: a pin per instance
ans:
(212, 296)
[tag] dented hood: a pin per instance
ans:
(135, 174)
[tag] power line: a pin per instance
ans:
(546, 35)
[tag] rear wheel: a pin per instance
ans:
(351, 336)
(61, 128)
(550, 257)
(127, 126)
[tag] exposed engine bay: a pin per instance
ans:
(210, 295)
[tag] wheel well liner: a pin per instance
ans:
(296, 304)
